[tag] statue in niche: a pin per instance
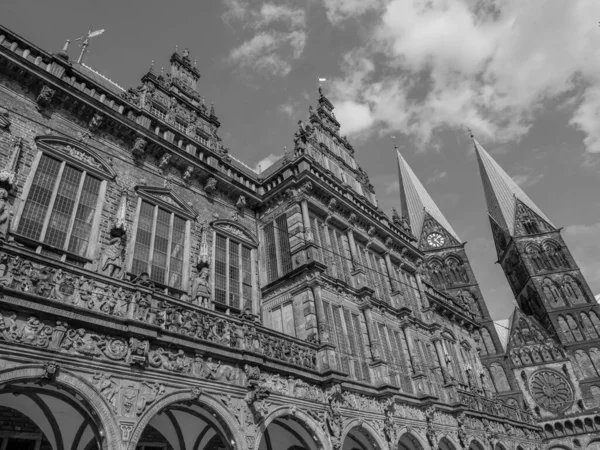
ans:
(113, 257)
(200, 289)
(4, 214)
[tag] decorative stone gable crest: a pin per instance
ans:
(168, 199)
(434, 236)
(76, 153)
(236, 230)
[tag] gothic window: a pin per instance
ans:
(159, 244)
(555, 255)
(595, 357)
(456, 271)
(565, 329)
(552, 294)
(232, 272)
(525, 357)
(574, 326)
(595, 321)
(488, 342)
(546, 355)
(585, 364)
(436, 272)
(588, 325)
(572, 290)
(515, 358)
(62, 200)
(535, 356)
(499, 377)
(278, 257)
(535, 254)
(340, 250)
(357, 347)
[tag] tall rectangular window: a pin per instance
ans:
(282, 319)
(278, 255)
(233, 273)
(159, 245)
(61, 206)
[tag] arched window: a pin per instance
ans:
(535, 356)
(587, 324)
(436, 271)
(595, 396)
(456, 271)
(595, 357)
(572, 290)
(552, 294)
(574, 326)
(595, 321)
(562, 323)
(233, 268)
(525, 357)
(499, 377)
(61, 203)
(488, 342)
(535, 255)
(161, 238)
(554, 255)
(585, 364)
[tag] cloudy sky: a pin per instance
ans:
(524, 75)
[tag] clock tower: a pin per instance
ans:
(449, 267)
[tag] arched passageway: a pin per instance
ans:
(476, 445)
(409, 441)
(286, 430)
(41, 411)
(447, 444)
(186, 425)
(362, 437)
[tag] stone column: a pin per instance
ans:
(323, 329)
(439, 349)
(410, 347)
(374, 342)
(308, 235)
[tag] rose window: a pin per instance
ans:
(551, 390)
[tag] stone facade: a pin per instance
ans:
(156, 292)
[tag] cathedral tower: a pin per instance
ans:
(450, 270)
(542, 274)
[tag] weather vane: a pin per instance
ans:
(86, 41)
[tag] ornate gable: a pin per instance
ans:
(434, 236)
(527, 331)
(528, 222)
(167, 199)
(235, 230)
(75, 153)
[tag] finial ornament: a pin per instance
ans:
(66, 46)
(152, 66)
(86, 41)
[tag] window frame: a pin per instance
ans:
(81, 158)
(234, 232)
(175, 208)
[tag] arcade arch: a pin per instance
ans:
(287, 429)
(410, 441)
(361, 436)
(58, 408)
(183, 420)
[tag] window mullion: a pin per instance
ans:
(152, 239)
(170, 243)
(52, 200)
(241, 275)
(74, 213)
(278, 262)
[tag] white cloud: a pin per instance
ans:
(287, 109)
(278, 35)
(429, 65)
(436, 177)
(264, 163)
(527, 180)
(585, 247)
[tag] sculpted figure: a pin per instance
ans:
(111, 261)
(201, 290)
(4, 214)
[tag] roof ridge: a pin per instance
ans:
(103, 76)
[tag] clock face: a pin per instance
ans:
(436, 240)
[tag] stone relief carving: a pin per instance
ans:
(139, 147)
(44, 97)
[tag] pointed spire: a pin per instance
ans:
(212, 109)
(64, 53)
(501, 192)
(152, 67)
(416, 201)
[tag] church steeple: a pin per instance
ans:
(419, 208)
(508, 206)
